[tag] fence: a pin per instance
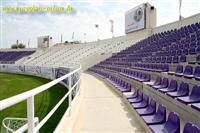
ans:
(29, 96)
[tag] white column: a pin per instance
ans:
(30, 114)
(70, 86)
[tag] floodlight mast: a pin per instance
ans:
(112, 27)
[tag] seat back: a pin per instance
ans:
(146, 99)
(158, 81)
(187, 128)
(172, 124)
(188, 70)
(165, 82)
(198, 58)
(161, 111)
(140, 93)
(183, 58)
(179, 69)
(197, 71)
(148, 77)
(153, 103)
(195, 129)
(184, 89)
(173, 85)
(195, 92)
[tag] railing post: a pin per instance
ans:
(70, 94)
(30, 114)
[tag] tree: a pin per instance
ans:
(14, 46)
(21, 45)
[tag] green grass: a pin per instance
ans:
(13, 84)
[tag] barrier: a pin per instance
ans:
(29, 96)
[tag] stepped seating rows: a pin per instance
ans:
(166, 47)
(152, 67)
(181, 94)
(139, 76)
(161, 53)
(187, 72)
(9, 57)
(74, 55)
(157, 121)
(121, 85)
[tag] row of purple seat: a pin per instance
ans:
(166, 59)
(180, 93)
(12, 56)
(113, 69)
(139, 76)
(187, 72)
(152, 67)
(190, 50)
(170, 88)
(146, 108)
(156, 120)
(173, 43)
(99, 73)
(120, 84)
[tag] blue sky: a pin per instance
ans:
(25, 27)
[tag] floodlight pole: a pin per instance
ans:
(84, 34)
(112, 27)
(180, 3)
(97, 27)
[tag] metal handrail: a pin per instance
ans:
(29, 96)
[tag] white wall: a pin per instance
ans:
(178, 24)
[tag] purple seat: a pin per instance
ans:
(197, 73)
(194, 97)
(182, 91)
(125, 88)
(172, 87)
(191, 128)
(134, 95)
(196, 106)
(183, 58)
(175, 59)
(187, 128)
(149, 110)
(147, 78)
(143, 104)
(172, 125)
(169, 59)
(165, 68)
(192, 50)
(137, 99)
(188, 72)
(158, 118)
(157, 81)
(164, 84)
(179, 70)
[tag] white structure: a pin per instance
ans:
(74, 55)
(140, 17)
(45, 41)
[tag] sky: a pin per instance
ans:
(27, 27)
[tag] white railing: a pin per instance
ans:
(29, 96)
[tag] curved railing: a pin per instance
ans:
(29, 96)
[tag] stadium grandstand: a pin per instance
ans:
(146, 81)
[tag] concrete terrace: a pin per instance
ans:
(98, 109)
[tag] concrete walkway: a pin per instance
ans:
(102, 110)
